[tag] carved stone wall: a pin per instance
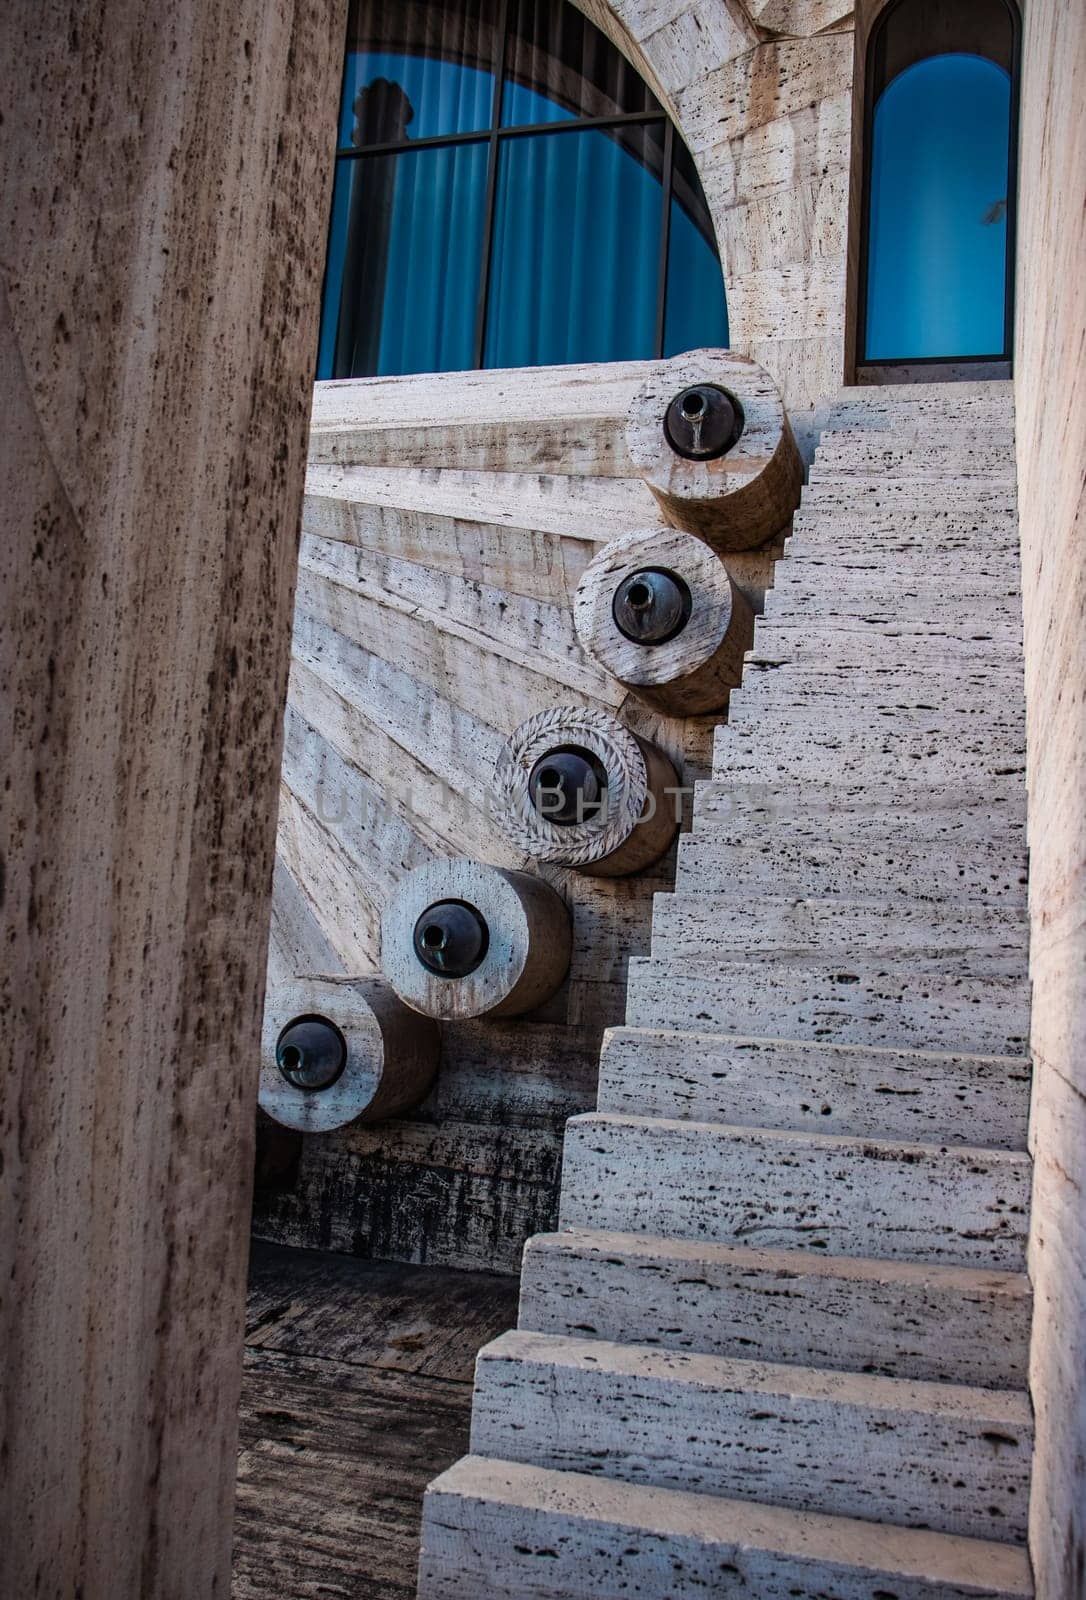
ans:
(446, 525)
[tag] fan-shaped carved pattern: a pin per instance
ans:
(434, 616)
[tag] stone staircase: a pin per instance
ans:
(779, 1347)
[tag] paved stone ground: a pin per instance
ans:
(357, 1392)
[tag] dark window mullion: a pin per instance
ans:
(491, 187)
(665, 239)
(633, 119)
(624, 119)
(435, 141)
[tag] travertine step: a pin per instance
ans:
(886, 1199)
(807, 866)
(500, 1530)
(935, 405)
(848, 595)
(820, 583)
(951, 433)
(856, 1000)
(829, 492)
(940, 1456)
(889, 713)
(733, 811)
(923, 1096)
(961, 455)
(900, 1319)
(882, 647)
(934, 750)
(806, 688)
(954, 937)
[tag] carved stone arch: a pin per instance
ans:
(761, 93)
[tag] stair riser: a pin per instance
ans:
(859, 589)
(856, 1005)
(931, 760)
(976, 1335)
(760, 1083)
(912, 470)
(484, 1549)
(737, 813)
(977, 403)
(792, 692)
(857, 523)
(885, 733)
(824, 1454)
(981, 944)
(875, 649)
(910, 427)
(858, 599)
(827, 493)
(911, 460)
(787, 862)
(778, 1191)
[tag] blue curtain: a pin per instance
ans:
(576, 246)
(937, 245)
(573, 266)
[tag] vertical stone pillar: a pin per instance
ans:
(164, 175)
(1050, 399)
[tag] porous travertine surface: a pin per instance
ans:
(779, 1344)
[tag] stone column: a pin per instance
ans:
(1050, 396)
(164, 172)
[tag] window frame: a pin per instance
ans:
(1004, 356)
(493, 137)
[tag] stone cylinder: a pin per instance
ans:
(658, 610)
(617, 825)
(387, 1054)
(460, 939)
(708, 433)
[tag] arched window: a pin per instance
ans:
(939, 192)
(508, 192)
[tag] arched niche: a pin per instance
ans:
(935, 231)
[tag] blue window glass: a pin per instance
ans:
(576, 248)
(432, 66)
(455, 243)
(696, 309)
(406, 243)
(940, 187)
(436, 97)
(559, 68)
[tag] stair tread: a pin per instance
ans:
(846, 1195)
(868, 926)
(747, 1535)
(856, 1090)
(736, 1375)
(856, 999)
(899, 1318)
(690, 1253)
(920, 1454)
(876, 1052)
(827, 1141)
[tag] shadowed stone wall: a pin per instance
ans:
(164, 185)
(1051, 404)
